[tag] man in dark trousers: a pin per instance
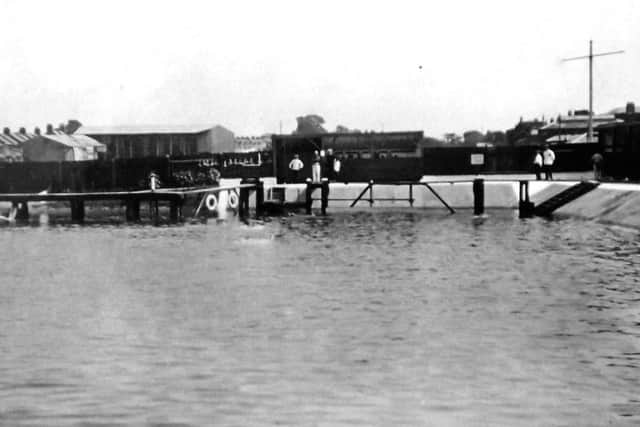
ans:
(548, 158)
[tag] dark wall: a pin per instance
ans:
(457, 160)
(621, 151)
(118, 174)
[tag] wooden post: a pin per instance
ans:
(411, 195)
(308, 199)
(22, 211)
(370, 193)
(525, 206)
(259, 198)
(155, 212)
(325, 195)
(114, 175)
(478, 196)
(60, 186)
(174, 211)
(243, 207)
(77, 210)
(133, 210)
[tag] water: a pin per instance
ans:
(412, 318)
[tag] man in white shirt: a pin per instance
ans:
(295, 166)
(548, 157)
(537, 164)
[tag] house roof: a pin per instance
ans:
(15, 138)
(73, 141)
(573, 122)
(144, 129)
(570, 139)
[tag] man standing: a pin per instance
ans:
(316, 170)
(548, 158)
(537, 164)
(596, 160)
(295, 166)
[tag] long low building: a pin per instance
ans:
(52, 146)
(155, 141)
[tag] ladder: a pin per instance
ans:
(547, 207)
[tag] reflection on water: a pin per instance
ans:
(385, 318)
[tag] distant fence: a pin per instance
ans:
(132, 174)
(125, 174)
(458, 160)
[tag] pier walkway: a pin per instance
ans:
(174, 197)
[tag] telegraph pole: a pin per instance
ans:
(590, 57)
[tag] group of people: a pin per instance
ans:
(543, 162)
(185, 178)
(323, 164)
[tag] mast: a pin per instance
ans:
(590, 57)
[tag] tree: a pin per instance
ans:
(472, 137)
(452, 138)
(495, 137)
(309, 124)
(344, 129)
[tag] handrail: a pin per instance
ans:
(370, 185)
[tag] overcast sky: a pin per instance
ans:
(249, 65)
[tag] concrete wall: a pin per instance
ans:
(457, 195)
(609, 203)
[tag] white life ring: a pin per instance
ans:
(234, 201)
(211, 202)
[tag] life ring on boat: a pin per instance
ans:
(234, 201)
(211, 202)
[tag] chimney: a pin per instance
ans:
(49, 129)
(22, 131)
(631, 108)
(36, 131)
(6, 131)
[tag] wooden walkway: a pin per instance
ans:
(175, 197)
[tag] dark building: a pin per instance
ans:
(526, 132)
(620, 143)
(157, 141)
(573, 127)
(364, 156)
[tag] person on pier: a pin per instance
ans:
(537, 164)
(548, 158)
(316, 168)
(154, 181)
(596, 161)
(295, 166)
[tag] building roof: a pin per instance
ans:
(73, 141)
(16, 138)
(144, 129)
(570, 138)
(579, 121)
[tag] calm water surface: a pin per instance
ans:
(406, 318)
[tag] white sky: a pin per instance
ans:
(248, 65)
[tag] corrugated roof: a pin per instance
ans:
(571, 139)
(15, 138)
(74, 141)
(143, 129)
